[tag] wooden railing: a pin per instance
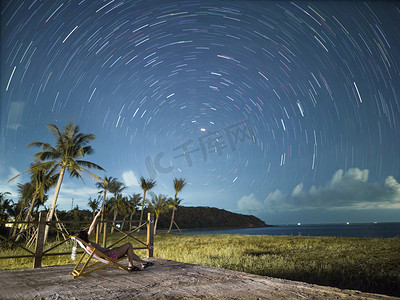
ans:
(39, 250)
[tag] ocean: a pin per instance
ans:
(359, 230)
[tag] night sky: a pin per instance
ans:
(286, 110)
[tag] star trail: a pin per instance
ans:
(286, 110)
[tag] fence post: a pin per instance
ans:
(150, 234)
(105, 234)
(97, 232)
(40, 240)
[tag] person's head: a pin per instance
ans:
(83, 235)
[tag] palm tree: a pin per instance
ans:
(40, 202)
(173, 204)
(134, 202)
(158, 204)
(125, 213)
(71, 146)
(116, 187)
(118, 205)
(178, 186)
(13, 211)
(105, 186)
(25, 192)
(5, 206)
(42, 178)
(93, 204)
(146, 185)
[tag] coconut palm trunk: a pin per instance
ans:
(172, 219)
(155, 225)
(141, 213)
(178, 186)
(15, 226)
(102, 211)
(146, 185)
(130, 220)
(53, 204)
(115, 217)
(27, 217)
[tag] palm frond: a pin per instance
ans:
(100, 185)
(179, 184)
(147, 184)
(73, 173)
(11, 179)
(46, 146)
(54, 130)
(94, 176)
(44, 155)
(33, 168)
(84, 139)
(89, 164)
(88, 150)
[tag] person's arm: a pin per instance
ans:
(94, 223)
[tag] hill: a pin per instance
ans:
(209, 217)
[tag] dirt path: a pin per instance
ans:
(165, 280)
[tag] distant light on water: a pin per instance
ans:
(361, 230)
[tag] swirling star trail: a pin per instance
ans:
(286, 110)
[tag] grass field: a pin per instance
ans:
(370, 265)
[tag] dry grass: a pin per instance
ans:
(370, 265)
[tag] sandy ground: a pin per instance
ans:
(165, 280)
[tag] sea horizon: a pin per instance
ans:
(347, 229)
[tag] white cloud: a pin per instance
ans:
(346, 190)
(13, 172)
(83, 191)
(250, 203)
(12, 186)
(349, 189)
(73, 191)
(129, 178)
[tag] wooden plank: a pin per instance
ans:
(165, 280)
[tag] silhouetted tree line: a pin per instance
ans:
(210, 217)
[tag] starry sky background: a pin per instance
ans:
(288, 111)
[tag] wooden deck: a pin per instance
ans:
(165, 280)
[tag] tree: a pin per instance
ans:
(5, 206)
(93, 204)
(134, 202)
(116, 187)
(158, 204)
(173, 203)
(42, 178)
(25, 192)
(178, 186)
(70, 147)
(146, 185)
(40, 202)
(105, 186)
(118, 205)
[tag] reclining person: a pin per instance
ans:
(114, 253)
